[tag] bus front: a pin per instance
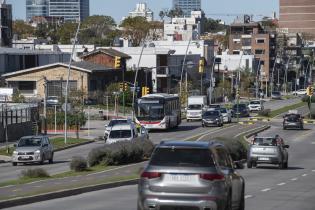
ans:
(150, 113)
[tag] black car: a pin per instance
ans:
(241, 110)
(212, 117)
(293, 121)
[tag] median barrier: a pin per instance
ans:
(246, 123)
(311, 122)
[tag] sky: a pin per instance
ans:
(213, 8)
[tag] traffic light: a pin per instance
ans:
(125, 86)
(145, 91)
(311, 91)
(201, 65)
(237, 93)
(121, 87)
(117, 62)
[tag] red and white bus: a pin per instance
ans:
(158, 111)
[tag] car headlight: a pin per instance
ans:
(37, 151)
(15, 152)
(216, 119)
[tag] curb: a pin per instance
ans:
(256, 132)
(312, 122)
(259, 119)
(74, 145)
(63, 193)
(246, 123)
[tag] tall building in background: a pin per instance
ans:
(187, 6)
(70, 10)
(36, 8)
(297, 16)
(5, 24)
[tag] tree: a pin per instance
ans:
(162, 15)
(66, 32)
(136, 29)
(22, 29)
(214, 26)
(17, 97)
(177, 12)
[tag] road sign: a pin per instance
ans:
(68, 107)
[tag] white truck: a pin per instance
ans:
(195, 107)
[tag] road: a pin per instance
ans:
(267, 187)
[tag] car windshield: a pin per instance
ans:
(240, 106)
(292, 118)
(194, 107)
(215, 106)
(119, 134)
(115, 122)
(275, 93)
(223, 110)
(265, 141)
(30, 142)
(211, 113)
(52, 98)
(181, 157)
(150, 110)
(254, 102)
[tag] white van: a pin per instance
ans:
(126, 132)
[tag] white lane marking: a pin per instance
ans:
(313, 170)
(74, 180)
(266, 190)
(38, 186)
(214, 131)
(294, 179)
(312, 142)
(8, 186)
(248, 196)
(282, 183)
(16, 190)
(304, 174)
(113, 169)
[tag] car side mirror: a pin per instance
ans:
(286, 146)
(105, 125)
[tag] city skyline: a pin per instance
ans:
(119, 8)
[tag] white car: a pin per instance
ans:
(112, 123)
(126, 132)
(255, 105)
(227, 115)
(300, 92)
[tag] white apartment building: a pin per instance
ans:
(142, 10)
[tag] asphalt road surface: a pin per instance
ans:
(267, 187)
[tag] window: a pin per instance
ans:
(236, 41)
(259, 51)
(260, 41)
(246, 41)
(236, 52)
(223, 159)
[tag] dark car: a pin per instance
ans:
(212, 117)
(241, 110)
(276, 95)
(293, 121)
(190, 175)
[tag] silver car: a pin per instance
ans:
(33, 149)
(267, 150)
(190, 175)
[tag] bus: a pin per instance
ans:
(158, 111)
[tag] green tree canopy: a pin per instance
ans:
(212, 25)
(22, 29)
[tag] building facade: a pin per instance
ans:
(142, 10)
(36, 8)
(68, 10)
(187, 6)
(297, 16)
(5, 24)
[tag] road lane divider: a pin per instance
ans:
(281, 184)
(266, 190)
(199, 137)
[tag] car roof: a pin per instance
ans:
(190, 144)
(29, 137)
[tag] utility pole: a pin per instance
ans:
(45, 106)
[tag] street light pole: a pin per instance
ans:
(183, 67)
(68, 78)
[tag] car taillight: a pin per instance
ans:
(211, 177)
(150, 175)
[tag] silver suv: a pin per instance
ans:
(32, 149)
(190, 175)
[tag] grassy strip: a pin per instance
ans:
(285, 109)
(58, 143)
(132, 176)
(25, 180)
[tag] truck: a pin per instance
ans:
(195, 107)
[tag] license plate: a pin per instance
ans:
(263, 158)
(25, 157)
(180, 178)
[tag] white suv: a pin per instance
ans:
(255, 105)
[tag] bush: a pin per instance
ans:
(35, 173)
(78, 164)
(121, 153)
(307, 99)
(235, 147)
(264, 112)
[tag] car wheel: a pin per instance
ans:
(284, 128)
(286, 165)
(14, 163)
(51, 160)
(203, 125)
(228, 205)
(254, 164)
(42, 160)
(249, 164)
(302, 128)
(281, 165)
(242, 201)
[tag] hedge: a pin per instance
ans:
(120, 153)
(72, 119)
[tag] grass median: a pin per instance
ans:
(285, 109)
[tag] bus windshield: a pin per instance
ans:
(150, 111)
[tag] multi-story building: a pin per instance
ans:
(69, 10)
(5, 24)
(249, 38)
(142, 10)
(36, 8)
(187, 6)
(297, 16)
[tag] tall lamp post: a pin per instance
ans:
(183, 67)
(68, 77)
